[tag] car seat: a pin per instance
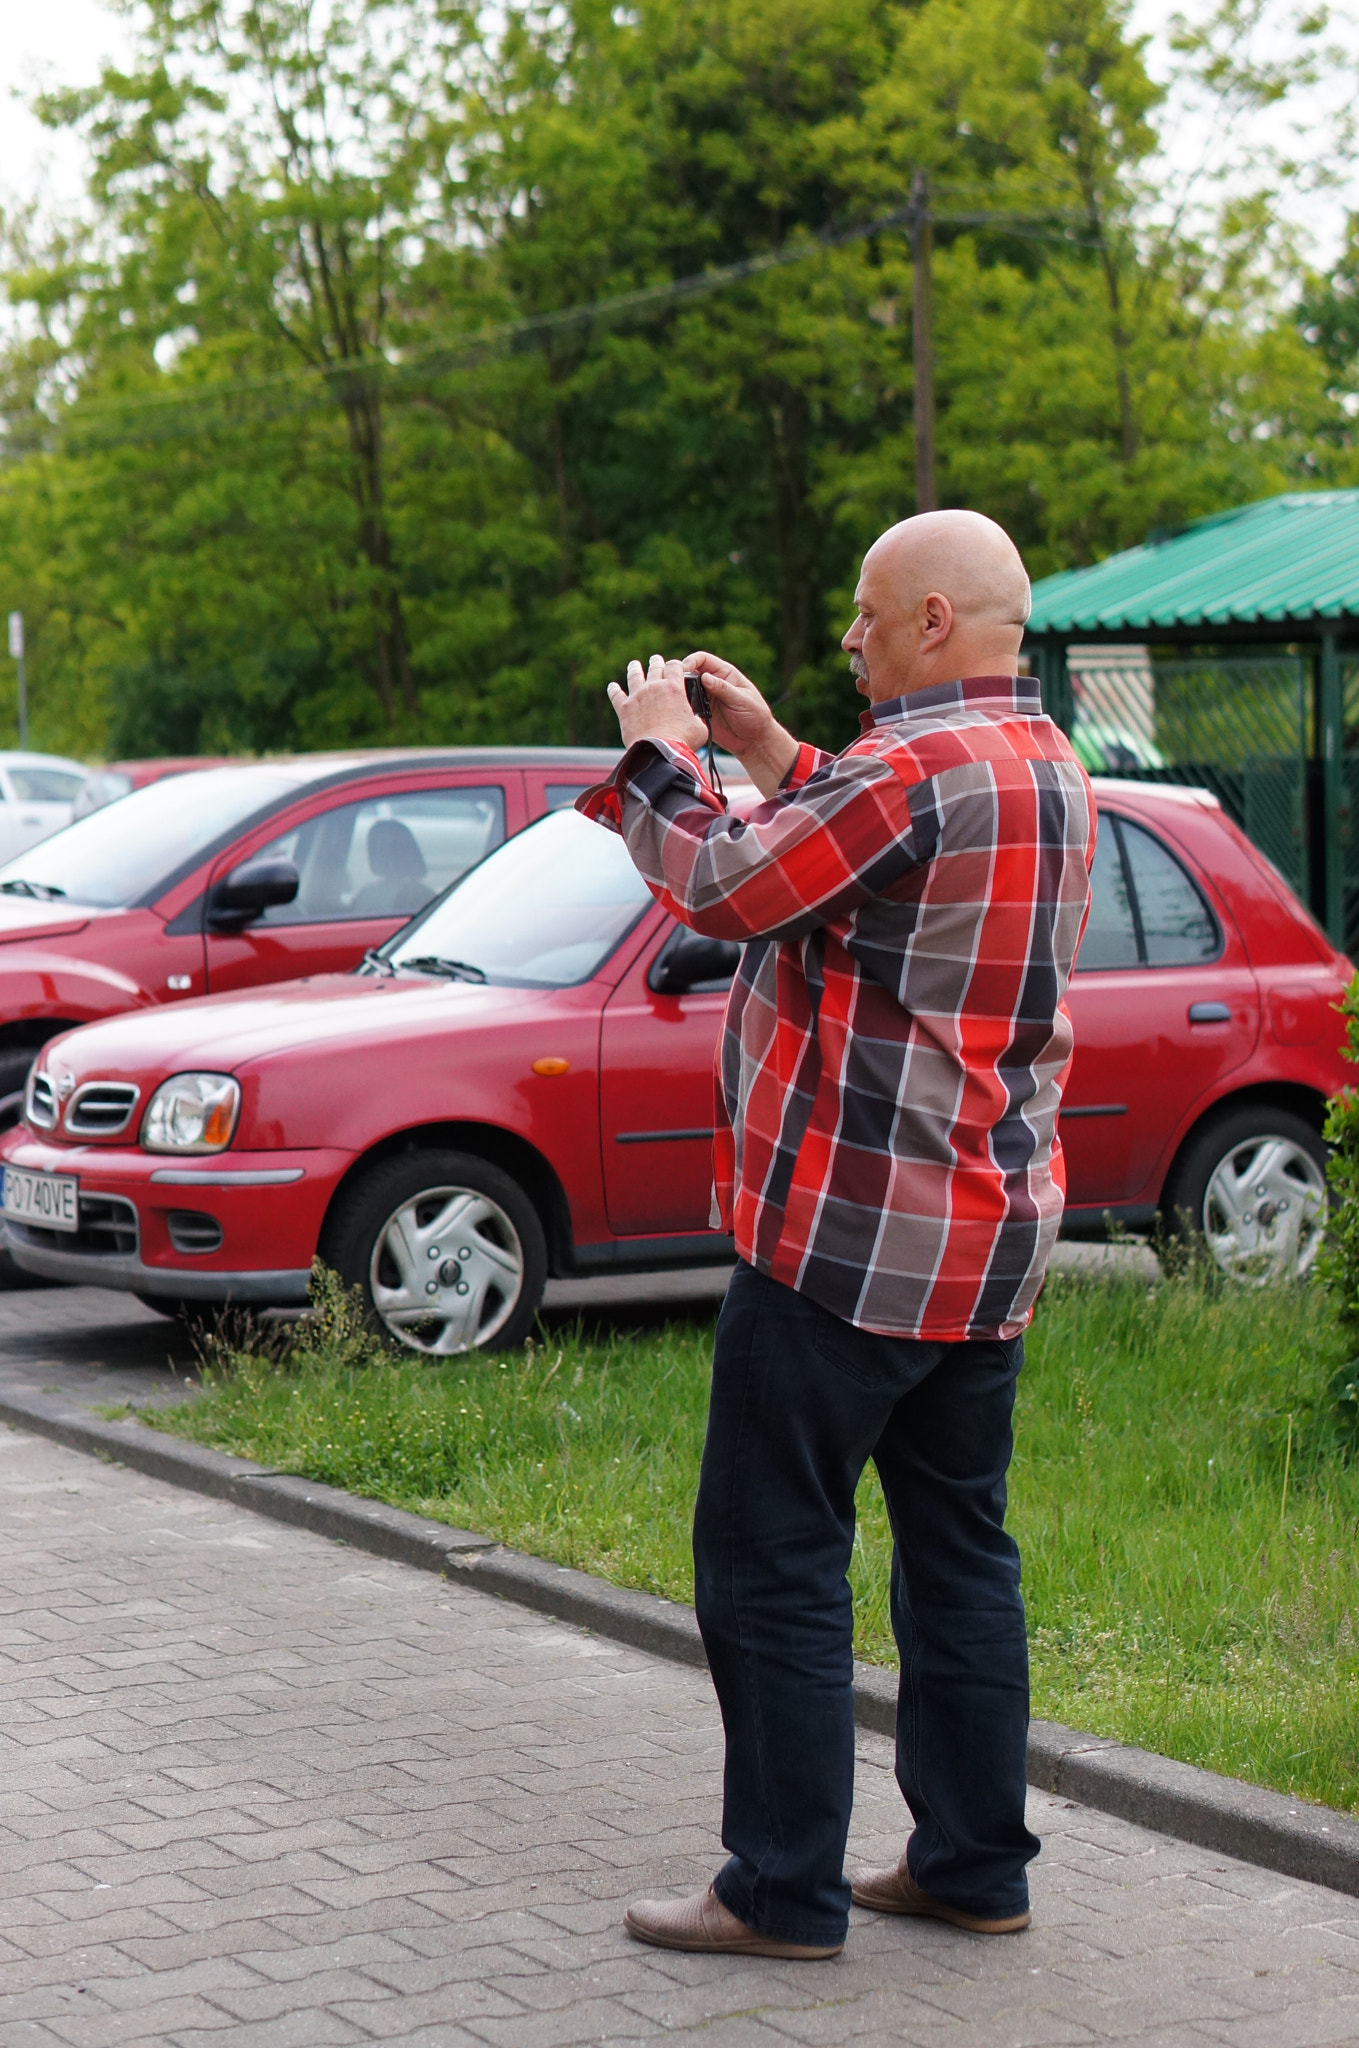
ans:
(399, 886)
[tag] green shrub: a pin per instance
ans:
(1338, 1263)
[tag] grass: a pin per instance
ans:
(1185, 1505)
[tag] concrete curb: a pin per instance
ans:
(1291, 1836)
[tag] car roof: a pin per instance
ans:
(22, 757)
(489, 757)
(356, 761)
(157, 765)
(1155, 792)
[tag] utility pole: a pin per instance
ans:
(922, 340)
(16, 648)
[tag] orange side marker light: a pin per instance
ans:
(552, 1066)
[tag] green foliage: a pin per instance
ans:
(1187, 1521)
(1338, 1261)
(1328, 313)
(1342, 1395)
(272, 479)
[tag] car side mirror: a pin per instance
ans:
(255, 886)
(690, 964)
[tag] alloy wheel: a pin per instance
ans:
(446, 1271)
(1264, 1210)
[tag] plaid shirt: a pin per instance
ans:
(896, 1041)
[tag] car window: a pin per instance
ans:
(104, 786)
(560, 796)
(44, 785)
(387, 856)
(545, 911)
(124, 852)
(1178, 928)
(1111, 933)
(1145, 909)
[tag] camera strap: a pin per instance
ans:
(713, 776)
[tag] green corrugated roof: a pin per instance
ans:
(1294, 557)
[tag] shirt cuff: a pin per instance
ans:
(805, 764)
(649, 770)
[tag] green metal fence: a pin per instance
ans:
(1244, 729)
(1348, 821)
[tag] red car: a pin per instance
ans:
(231, 876)
(119, 778)
(521, 1083)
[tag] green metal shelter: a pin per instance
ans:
(1226, 653)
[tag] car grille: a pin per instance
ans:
(108, 1224)
(192, 1231)
(101, 1108)
(42, 1103)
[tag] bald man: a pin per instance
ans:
(887, 1159)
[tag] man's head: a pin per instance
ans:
(939, 596)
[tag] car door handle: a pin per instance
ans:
(1209, 1013)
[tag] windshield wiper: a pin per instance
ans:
(456, 970)
(374, 962)
(41, 892)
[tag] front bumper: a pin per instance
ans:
(280, 1289)
(256, 1216)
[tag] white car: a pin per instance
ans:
(37, 792)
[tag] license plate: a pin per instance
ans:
(48, 1199)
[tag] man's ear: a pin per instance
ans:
(936, 619)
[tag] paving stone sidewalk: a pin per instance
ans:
(258, 1789)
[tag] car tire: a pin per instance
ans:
(15, 1068)
(446, 1249)
(13, 1278)
(14, 1071)
(1250, 1185)
(196, 1318)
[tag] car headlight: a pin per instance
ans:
(192, 1113)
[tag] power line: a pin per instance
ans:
(287, 393)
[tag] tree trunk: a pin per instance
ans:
(392, 675)
(1128, 438)
(788, 422)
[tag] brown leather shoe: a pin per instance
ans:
(704, 1925)
(896, 1891)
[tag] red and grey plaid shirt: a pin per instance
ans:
(894, 1050)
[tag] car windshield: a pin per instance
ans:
(544, 910)
(44, 785)
(119, 854)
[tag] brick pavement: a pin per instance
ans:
(261, 1790)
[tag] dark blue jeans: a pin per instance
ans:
(800, 1402)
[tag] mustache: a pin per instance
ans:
(858, 667)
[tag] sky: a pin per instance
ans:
(47, 42)
(63, 41)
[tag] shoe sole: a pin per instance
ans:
(947, 1914)
(782, 1951)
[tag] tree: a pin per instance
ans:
(258, 176)
(332, 426)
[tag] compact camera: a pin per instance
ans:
(700, 703)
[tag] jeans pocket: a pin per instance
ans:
(862, 1355)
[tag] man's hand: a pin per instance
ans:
(654, 706)
(743, 723)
